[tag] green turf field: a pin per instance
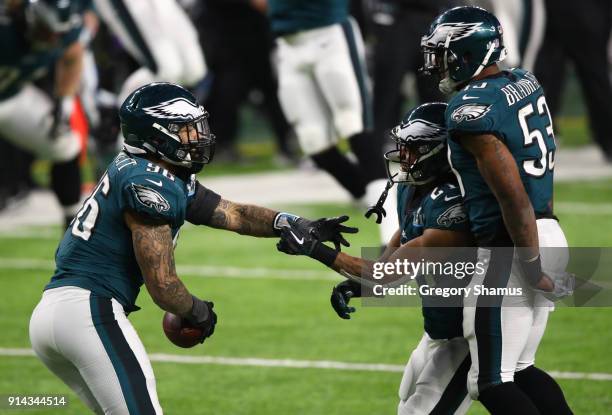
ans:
(270, 309)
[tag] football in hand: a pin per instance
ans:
(179, 332)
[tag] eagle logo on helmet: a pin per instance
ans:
(454, 214)
(419, 130)
(456, 30)
(175, 108)
(150, 198)
(470, 112)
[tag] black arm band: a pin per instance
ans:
(324, 254)
(202, 206)
(532, 270)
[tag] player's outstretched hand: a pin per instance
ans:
(341, 296)
(331, 229)
(296, 240)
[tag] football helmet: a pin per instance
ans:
(421, 140)
(46, 20)
(461, 42)
(165, 120)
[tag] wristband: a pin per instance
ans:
(324, 254)
(283, 220)
(532, 269)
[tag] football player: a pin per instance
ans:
(124, 236)
(431, 215)
(37, 37)
(502, 150)
(324, 92)
(160, 36)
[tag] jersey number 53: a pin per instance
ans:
(537, 167)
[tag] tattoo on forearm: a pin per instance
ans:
(243, 219)
(220, 216)
(515, 205)
(155, 255)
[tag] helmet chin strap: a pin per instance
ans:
(447, 85)
(485, 61)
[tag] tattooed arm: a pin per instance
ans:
(155, 256)
(498, 169)
(243, 219)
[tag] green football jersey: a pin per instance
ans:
(510, 105)
(19, 61)
(291, 16)
(96, 252)
(441, 208)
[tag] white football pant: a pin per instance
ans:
(88, 342)
(160, 36)
(504, 340)
(26, 120)
(435, 378)
(521, 24)
(323, 85)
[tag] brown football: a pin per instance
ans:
(179, 332)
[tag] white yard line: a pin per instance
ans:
(205, 271)
(299, 187)
(299, 364)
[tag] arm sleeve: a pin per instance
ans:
(202, 205)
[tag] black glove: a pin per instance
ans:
(331, 229)
(324, 229)
(296, 241)
(341, 295)
(202, 316)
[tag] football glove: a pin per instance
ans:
(297, 241)
(203, 316)
(341, 295)
(324, 229)
(564, 285)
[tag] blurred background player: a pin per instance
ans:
(397, 26)
(237, 45)
(431, 214)
(37, 37)
(579, 33)
(523, 22)
(325, 94)
(161, 38)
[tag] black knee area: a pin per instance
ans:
(66, 181)
(368, 149)
(507, 399)
(543, 390)
(340, 167)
